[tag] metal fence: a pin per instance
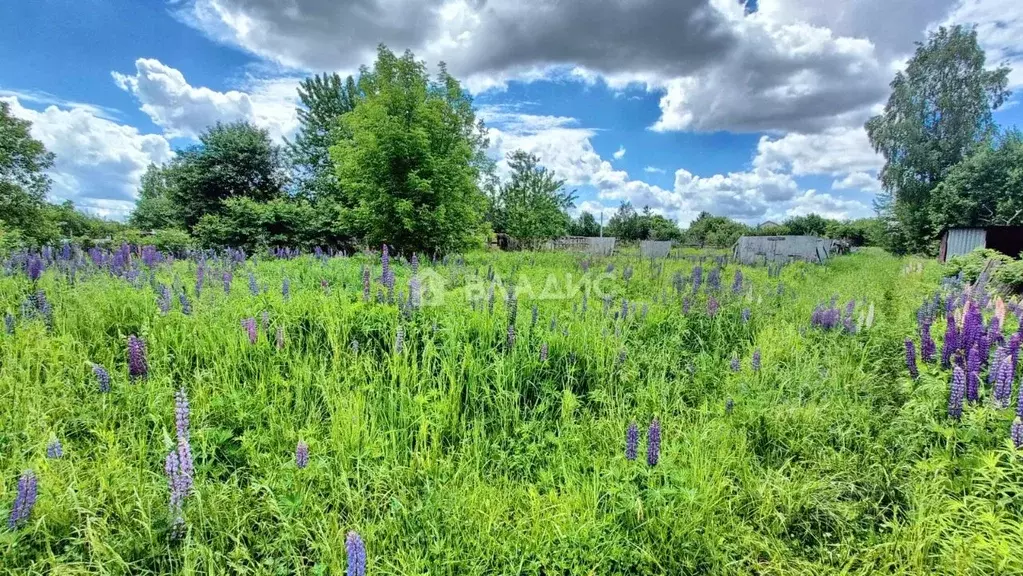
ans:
(764, 249)
(655, 248)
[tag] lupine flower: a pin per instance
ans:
(253, 286)
(993, 372)
(543, 352)
(102, 377)
(625, 309)
(951, 343)
(973, 374)
(1016, 433)
(511, 336)
(1014, 345)
(911, 359)
(200, 278)
(34, 268)
(54, 450)
(712, 306)
(280, 338)
(745, 315)
(9, 322)
(927, 347)
(697, 278)
(1003, 384)
(286, 289)
(756, 360)
(414, 299)
(536, 313)
(178, 465)
(387, 275)
(729, 406)
(227, 278)
(737, 282)
(249, 324)
(186, 304)
(735, 364)
(301, 454)
(24, 501)
(512, 304)
(631, 441)
(365, 284)
(163, 299)
(355, 552)
(956, 393)
(685, 305)
(137, 365)
(653, 448)
(399, 340)
(714, 279)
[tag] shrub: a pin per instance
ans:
(970, 265)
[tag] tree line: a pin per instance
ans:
(395, 155)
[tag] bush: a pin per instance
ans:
(970, 265)
(1010, 275)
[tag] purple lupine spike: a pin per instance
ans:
(102, 377)
(511, 336)
(228, 277)
(686, 304)
(927, 347)
(54, 450)
(249, 325)
(387, 275)
(735, 364)
(653, 448)
(631, 441)
(1016, 433)
(1003, 384)
(951, 343)
(137, 364)
(973, 362)
(714, 279)
(163, 299)
(755, 362)
(253, 285)
(729, 406)
(399, 340)
(536, 315)
(279, 340)
(995, 364)
(301, 454)
(200, 278)
(712, 306)
(24, 501)
(286, 289)
(957, 391)
(697, 278)
(625, 309)
(911, 359)
(1014, 345)
(365, 284)
(34, 268)
(737, 282)
(182, 413)
(745, 315)
(414, 297)
(186, 304)
(355, 553)
(543, 352)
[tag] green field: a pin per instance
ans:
(458, 454)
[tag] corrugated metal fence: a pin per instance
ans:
(654, 248)
(763, 249)
(959, 241)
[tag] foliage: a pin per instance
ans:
(628, 225)
(155, 207)
(23, 180)
(584, 225)
(282, 222)
(532, 206)
(714, 231)
(939, 111)
(231, 160)
(972, 264)
(1010, 275)
(324, 100)
(985, 189)
(808, 225)
(411, 158)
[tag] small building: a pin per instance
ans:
(768, 224)
(768, 249)
(958, 241)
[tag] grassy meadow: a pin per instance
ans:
(458, 451)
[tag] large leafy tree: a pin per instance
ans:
(585, 225)
(626, 223)
(717, 231)
(230, 161)
(324, 100)
(155, 209)
(532, 206)
(986, 189)
(939, 110)
(808, 225)
(410, 158)
(23, 180)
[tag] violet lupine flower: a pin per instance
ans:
(973, 374)
(631, 441)
(536, 315)
(54, 450)
(186, 304)
(365, 284)
(279, 340)
(264, 320)
(927, 347)
(253, 286)
(745, 315)
(712, 306)
(9, 322)
(625, 309)
(399, 340)
(24, 501)
(714, 279)
(137, 365)
(729, 406)
(1016, 433)
(249, 324)
(387, 275)
(756, 360)
(993, 372)
(286, 289)
(511, 336)
(697, 278)
(957, 391)
(1003, 384)
(200, 278)
(951, 343)
(737, 282)
(355, 552)
(163, 299)
(653, 448)
(911, 359)
(414, 298)
(735, 364)
(34, 268)
(994, 331)
(44, 308)
(227, 278)
(301, 454)
(686, 305)
(543, 352)
(512, 304)
(102, 377)
(1014, 345)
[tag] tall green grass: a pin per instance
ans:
(459, 456)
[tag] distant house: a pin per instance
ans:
(958, 241)
(768, 224)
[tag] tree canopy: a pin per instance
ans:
(23, 180)
(532, 206)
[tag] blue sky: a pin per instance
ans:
(753, 112)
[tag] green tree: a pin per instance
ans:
(986, 189)
(411, 158)
(585, 225)
(809, 225)
(155, 209)
(626, 224)
(231, 160)
(324, 100)
(661, 228)
(714, 231)
(23, 180)
(939, 110)
(532, 206)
